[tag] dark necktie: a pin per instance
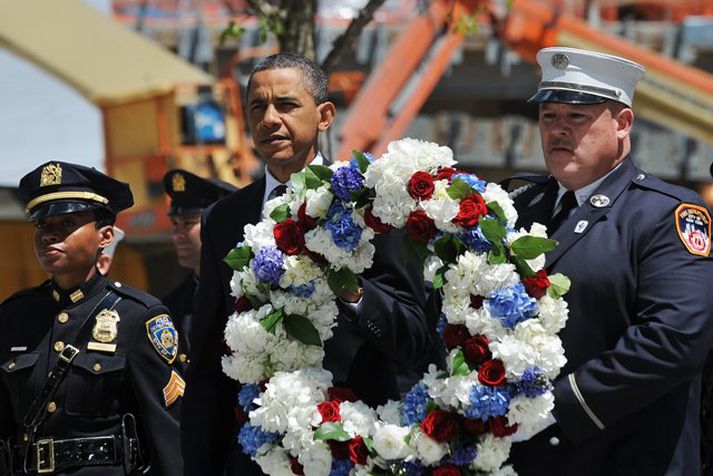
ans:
(277, 191)
(568, 203)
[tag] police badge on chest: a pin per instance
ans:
(105, 331)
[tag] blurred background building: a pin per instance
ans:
(135, 87)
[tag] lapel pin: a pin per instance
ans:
(599, 201)
(581, 226)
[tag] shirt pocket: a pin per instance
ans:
(17, 375)
(94, 385)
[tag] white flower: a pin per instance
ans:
(430, 451)
(390, 412)
(442, 209)
(316, 459)
(357, 418)
(495, 193)
(275, 462)
(390, 442)
(432, 264)
(492, 453)
(529, 413)
(318, 202)
(259, 235)
(552, 314)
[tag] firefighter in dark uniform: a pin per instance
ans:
(88, 382)
(637, 251)
(190, 194)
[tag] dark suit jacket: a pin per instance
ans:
(389, 326)
(180, 302)
(639, 328)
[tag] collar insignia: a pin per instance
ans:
(599, 201)
(76, 296)
(55, 295)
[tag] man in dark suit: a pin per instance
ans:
(383, 322)
(637, 251)
(190, 195)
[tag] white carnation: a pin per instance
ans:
(259, 235)
(553, 313)
(390, 442)
(492, 453)
(430, 451)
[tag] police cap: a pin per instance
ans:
(190, 193)
(56, 188)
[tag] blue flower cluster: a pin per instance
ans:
(345, 181)
(408, 469)
(532, 384)
(463, 456)
(511, 305)
(345, 233)
(251, 438)
(267, 265)
(246, 395)
(355, 165)
(476, 240)
(472, 180)
(341, 467)
(413, 408)
(441, 324)
(486, 402)
(303, 291)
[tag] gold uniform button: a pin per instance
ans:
(59, 346)
(97, 367)
(51, 407)
(11, 365)
(183, 358)
(62, 317)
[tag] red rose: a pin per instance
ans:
(306, 222)
(329, 411)
(420, 227)
(240, 416)
(296, 466)
(447, 470)
(476, 302)
(500, 428)
(341, 394)
(374, 222)
(455, 335)
(536, 286)
(339, 449)
(242, 304)
(471, 208)
(358, 452)
(289, 237)
(446, 173)
(475, 427)
(440, 426)
(476, 350)
(420, 186)
(492, 373)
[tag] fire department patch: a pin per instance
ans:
(163, 336)
(693, 224)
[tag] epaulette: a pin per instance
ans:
(126, 291)
(651, 182)
(26, 292)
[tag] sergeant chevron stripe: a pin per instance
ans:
(174, 389)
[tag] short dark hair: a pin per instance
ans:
(103, 217)
(315, 79)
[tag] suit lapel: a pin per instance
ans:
(587, 215)
(539, 207)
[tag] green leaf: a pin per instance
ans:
(493, 230)
(270, 322)
(298, 182)
(431, 405)
(497, 254)
(362, 197)
(559, 285)
(281, 213)
(530, 247)
(362, 161)
(331, 431)
(460, 366)
(369, 443)
(497, 210)
(522, 267)
(301, 329)
(458, 190)
(254, 301)
(449, 248)
(239, 257)
(322, 171)
(312, 180)
(343, 278)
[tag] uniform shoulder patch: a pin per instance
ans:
(174, 389)
(163, 336)
(693, 224)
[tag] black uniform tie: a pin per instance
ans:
(277, 191)
(568, 203)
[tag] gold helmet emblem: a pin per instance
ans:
(178, 181)
(51, 175)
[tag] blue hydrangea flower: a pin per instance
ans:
(408, 469)
(267, 265)
(532, 384)
(246, 395)
(345, 181)
(303, 291)
(463, 456)
(441, 324)
(341, 467)
(251, 438)
(511, 305)
(472, 180)
(486, 402)
(476, 240)
(345, 233)
(355, 165)
(413, 408)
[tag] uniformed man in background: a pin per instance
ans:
(190, 194)
(88, 383)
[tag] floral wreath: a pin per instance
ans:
(499, 322)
